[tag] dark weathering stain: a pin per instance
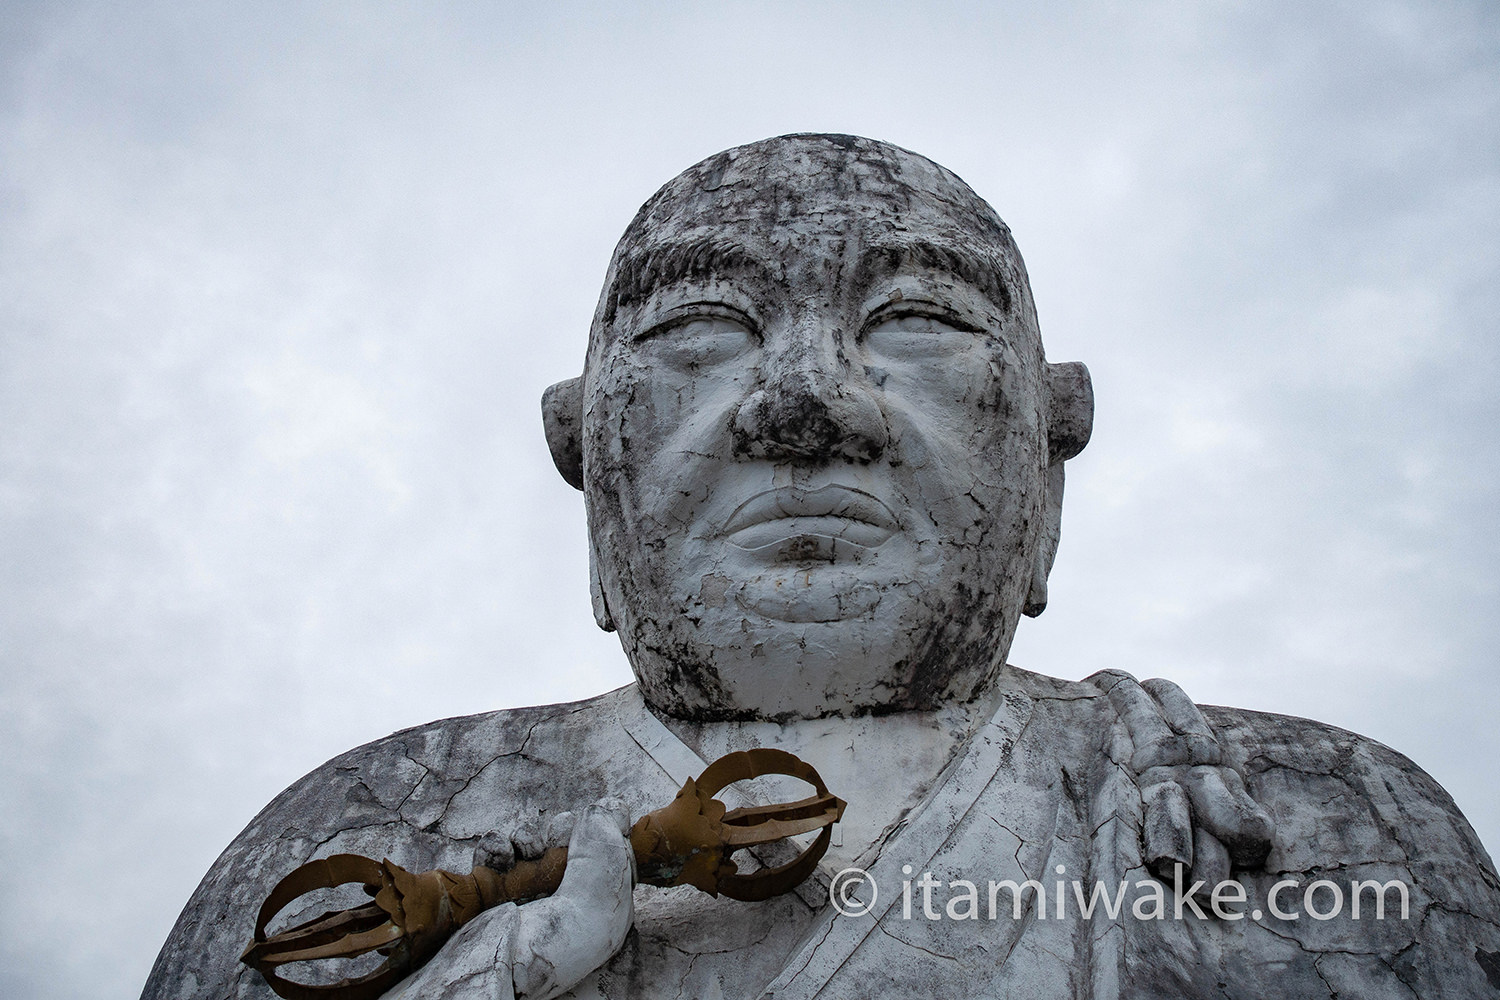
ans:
(1489, 961)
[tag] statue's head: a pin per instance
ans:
(820, 447)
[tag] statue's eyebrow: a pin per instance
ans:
(658, 264)
(976, 262)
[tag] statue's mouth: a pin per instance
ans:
(795, 524)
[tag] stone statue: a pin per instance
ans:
(822, 457)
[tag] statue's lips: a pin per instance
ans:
(831, 512)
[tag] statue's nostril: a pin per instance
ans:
(811, 418)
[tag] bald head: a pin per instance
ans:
(771, 182)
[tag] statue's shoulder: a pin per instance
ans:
(423, 797)
(1347, 804)
(423, 777)
(1328, 787)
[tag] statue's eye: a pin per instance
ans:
(911, 334)
(699, 338)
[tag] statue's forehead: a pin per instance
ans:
(785, 205)
(805, 186)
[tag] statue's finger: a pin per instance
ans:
(1191, 740)
(1176, 750)
(598, 852)
(1108, 678)
(561, 939)
(529, 837)
(495, 850)
(1210, 862)
(1168, 829)
(559, 828)
(1222, 805)
(1180, 711)
(1154, 741)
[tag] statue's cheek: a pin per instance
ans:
(967, 402)
(656, 413)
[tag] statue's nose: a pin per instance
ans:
(806, 412)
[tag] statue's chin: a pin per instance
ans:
(811, 640)
(780, 668)
(825, 595)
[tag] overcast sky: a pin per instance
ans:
(280, 287)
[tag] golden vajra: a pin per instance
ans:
(689, 842)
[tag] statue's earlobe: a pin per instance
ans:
(562, 420)
(602, 617)
(1046, 546)
(1070, 410)
(1070, 421)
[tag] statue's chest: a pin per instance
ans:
(1006, 818)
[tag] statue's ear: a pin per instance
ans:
(1070, 410)
(562, 419)
(1070, 420)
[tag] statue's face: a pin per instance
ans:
(814, 445)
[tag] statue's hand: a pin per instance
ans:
(1196, 810)
(544, 948)
(561, 939)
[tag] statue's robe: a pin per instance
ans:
(1039, 787)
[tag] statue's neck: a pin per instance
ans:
(881, 765)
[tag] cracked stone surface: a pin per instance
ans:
(822, 456)
(1320, 783)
